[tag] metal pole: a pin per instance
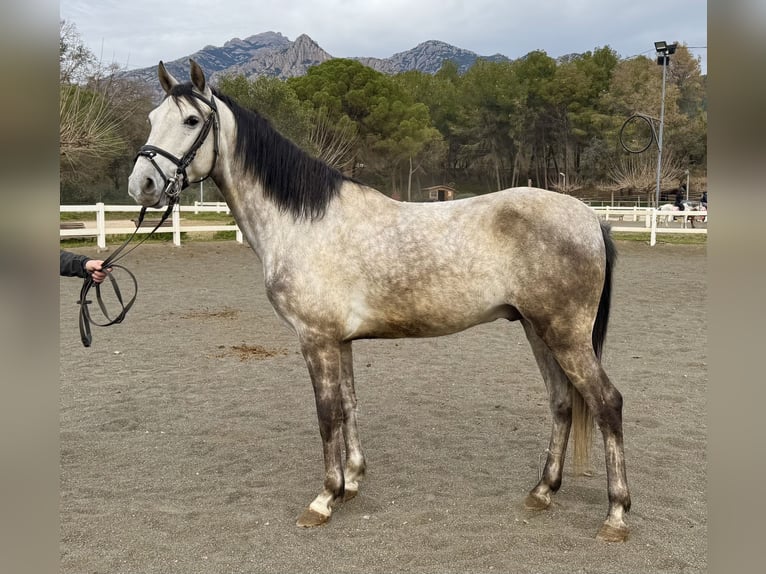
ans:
(665, 58)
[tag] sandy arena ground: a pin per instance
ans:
(189, 440)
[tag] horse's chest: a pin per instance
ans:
(298, 297)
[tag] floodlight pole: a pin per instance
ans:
(665, 58)
(664, 50)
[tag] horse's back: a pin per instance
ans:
(515, 226)
(507, 212)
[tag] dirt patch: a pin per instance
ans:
(246, 352)
(208, 314)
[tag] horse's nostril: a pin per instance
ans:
(148, 184)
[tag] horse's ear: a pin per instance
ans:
(198, 78)
(167, 81)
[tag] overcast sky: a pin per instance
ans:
(140, 33)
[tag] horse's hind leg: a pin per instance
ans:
(584, 370)
(560, 397)
(355, 463)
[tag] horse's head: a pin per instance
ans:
(180, 147)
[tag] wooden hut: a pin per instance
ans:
(440, 193)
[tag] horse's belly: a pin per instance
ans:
(425, 320)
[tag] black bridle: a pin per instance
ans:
(172, 187)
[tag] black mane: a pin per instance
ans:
(297, 182)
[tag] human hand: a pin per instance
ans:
(93, 266)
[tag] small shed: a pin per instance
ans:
(440, 193)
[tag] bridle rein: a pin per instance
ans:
(172, 187)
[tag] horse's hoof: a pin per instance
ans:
(311, 518)
(349, 494)
(536, 502)
(611, 534)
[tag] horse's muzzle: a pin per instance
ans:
(145, 191)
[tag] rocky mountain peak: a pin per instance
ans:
(273, 54)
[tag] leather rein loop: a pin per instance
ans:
(85, 320)
(172, 189)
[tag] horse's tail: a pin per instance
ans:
(604, 304)
(582, 418)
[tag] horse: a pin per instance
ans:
(688, 206)
(668, 207)
(696, 206)
(343, 261)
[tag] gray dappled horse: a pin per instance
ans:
(342, 261)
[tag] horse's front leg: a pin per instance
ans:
(355, 464)
(323, 358)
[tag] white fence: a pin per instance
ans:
(631, 219)
(653, 220)
(220, 206)
(102, 227)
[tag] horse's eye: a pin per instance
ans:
(191, 121)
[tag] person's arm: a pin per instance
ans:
(73, 265)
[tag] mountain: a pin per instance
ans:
(233, 55)
(427, 57)
(272, 54)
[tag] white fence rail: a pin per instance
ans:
(220, 206)
(654, 221)
(102, 227)
(631, 219)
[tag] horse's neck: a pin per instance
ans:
(258, 218)
(276, 235)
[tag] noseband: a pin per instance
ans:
(172, 186)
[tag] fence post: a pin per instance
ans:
(176, 215)
(100, 226)
(653, 236)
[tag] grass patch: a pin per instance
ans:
(224, 236)
(669, 238)
(69, 242)
(91, 215)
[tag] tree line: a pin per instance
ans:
(554, 123)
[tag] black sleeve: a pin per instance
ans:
(73, 265)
